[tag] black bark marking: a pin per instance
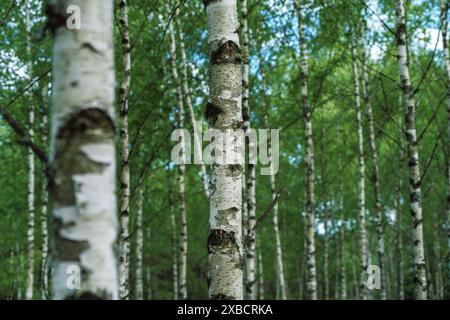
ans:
(228, 52)
(221, 296)
(234, 170)
(55, 18)
(87, 126)
(212, 113)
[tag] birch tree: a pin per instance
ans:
(31, 166)
(420, 277)
(363, 244)
(181, 166)
(309, 163)
(224, 111)
(375, 178)
(124, 242)
(250, 194)
(139, 285)
(83, 154)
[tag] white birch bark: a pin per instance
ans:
(250, 194)
(224, 111)
(181, 166)
(174, 241)
(83, 155)
(399, 213)
(420, 277)
(139, 286)
(31, 167)
(44, 218)
(260, 272)
(361, 182)
(124, 241)
(309, 164)
(376, 181)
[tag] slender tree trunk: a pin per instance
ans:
(83, 156)
(181, 166)
(31, 167)
(326, 254)
(174, 241)
(444, 9)
(361, 183)
(250, 194)
(44, 217)
(420, 277)
(276, 230)
(224, 110)
(187, 95)
(309, 164)
(398, 213)
(260, 273)
(139, 246)
(148, 269)
(342, 255)
(355, 278)
(376, 182)
(124, 242)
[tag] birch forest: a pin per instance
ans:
(224, 149)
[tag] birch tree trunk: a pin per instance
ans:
(31, 167)
(181, 166)
(398, 213)
(224, 110)
(139, 246)
(355, 279)
(281, 280)
(444, 9)
(342, 255)
(250, 194)
(361, 182)
(309, 164)
(420, 277)
(124, 242)
(260, 273)
(83, 156)
(187, 95)
(174, 241)
(44, 217)
(376, 182)
(148, 269)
